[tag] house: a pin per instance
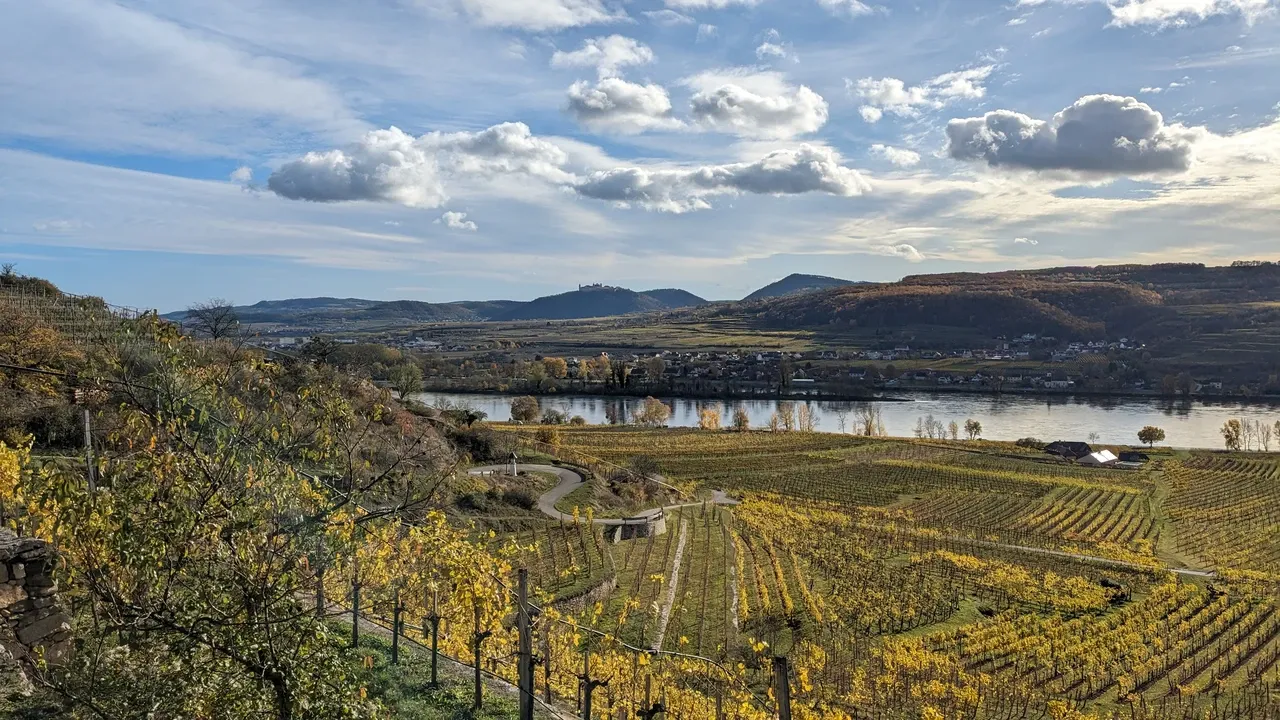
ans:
(1102, 458)
(1133, 456)
(1068, 450)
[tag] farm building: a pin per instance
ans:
(1101, 458)
(1068, 450)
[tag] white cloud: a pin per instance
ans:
(902, 250)
(1181, 12)
(1098, 135)
(100, 75)
(847, 7)
(755, 104)
(901, 157)
(895, 96)
(393, 166)
(1152, 90)
(805, 169)
(706, 31)
(667, 18)
(242, 175)
(708, 4)
(456, 221)
(773, 47)
(606, 54)
(540, 15)
(1165, 13)
(615, 105)
(1025, 241)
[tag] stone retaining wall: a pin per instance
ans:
(32, 624)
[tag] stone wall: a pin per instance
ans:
(32, 624)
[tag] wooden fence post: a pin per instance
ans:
(524, 669)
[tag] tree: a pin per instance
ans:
(525, 409)
(806, 420)
(741, 420)
(954, 429)
(214, 319)
(406, 379)
(774, 423)
(577, 421)
(654, 367)
(1264, 436)
(552, 416)
(1150, 435)
(709, 419)
(842, 420)
(653, 412)
(973, 429)
(1233, 434)
(869, 421)
(548, 436)
(556, 367)
(787, 415)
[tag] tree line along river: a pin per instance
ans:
(1187, 423)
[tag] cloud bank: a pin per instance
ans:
(615, 105)
(1103, 135)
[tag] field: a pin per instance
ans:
(1018, 585)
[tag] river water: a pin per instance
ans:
(1003, 417)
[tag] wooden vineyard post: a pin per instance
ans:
(650, 711)
(434, 621)
(88, 454)
(524, 626)
(320, 604)
(589, 685)
(478, 642)
(546, 664)
(355, 603)
(782, 687)
(395, 627)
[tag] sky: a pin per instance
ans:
(164, 152)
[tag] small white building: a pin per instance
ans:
(1102, 458)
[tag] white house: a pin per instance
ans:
(1101, 458)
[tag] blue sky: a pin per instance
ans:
(160, 153)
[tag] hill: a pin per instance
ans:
(797, 283)
(599, 301)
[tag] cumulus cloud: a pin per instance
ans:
(758, 105)
(605, 54)
(1025, 241)
(392, 166)
(242, 175)
(540, 15)
(456, 221)
(707, 4)
(615, 105)
(706, 31)
(667, 18)
(846, 7)
(1098, 135)
(895, 96)
(784, 172)
(902, 250)
(1166, 13)
(901, 157)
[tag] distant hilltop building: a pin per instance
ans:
(597, 286)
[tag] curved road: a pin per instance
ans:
(570, 481)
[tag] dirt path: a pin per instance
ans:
(673, 584)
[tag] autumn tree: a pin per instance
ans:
(556, 367)
(653, 412)
(1150, 435)
(806, 420)
(709, 419)
(406, 379)
(973, 429)
(654, 367)
(869, 421)
(787, 415)
(741, 420)
(1233, 434)
(214, 319)
(525, 409)
(953, 429)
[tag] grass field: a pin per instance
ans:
(857, 549)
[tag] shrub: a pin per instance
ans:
(1029, 442)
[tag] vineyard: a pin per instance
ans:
(908, 577)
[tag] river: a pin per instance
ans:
(1003, 417)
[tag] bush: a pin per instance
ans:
(549, 436)
(577, 421)
(1029, 442)
(521, 498)
(554, 417)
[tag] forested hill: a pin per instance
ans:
(1187, 301)
(797, 283)
(327, 314)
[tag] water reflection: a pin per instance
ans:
(1004, 417)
